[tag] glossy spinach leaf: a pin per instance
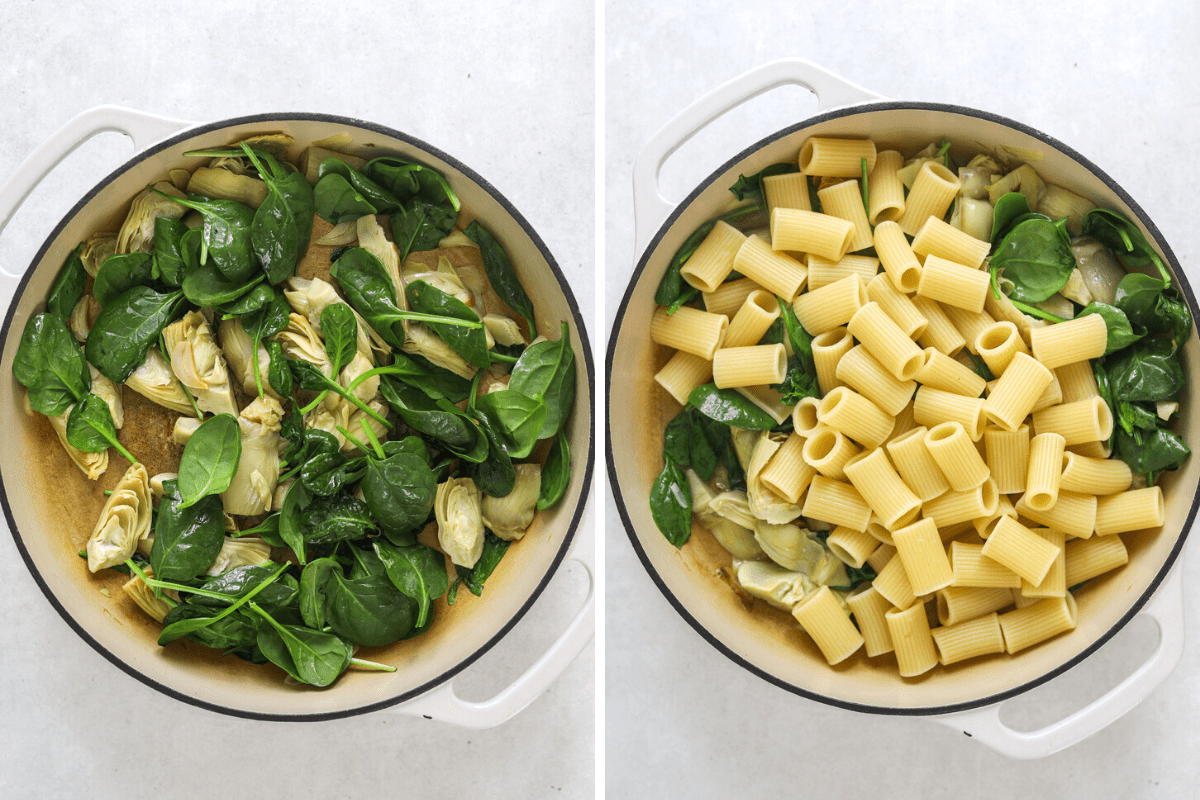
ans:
(186, 540)
(339, 329)
(556, 472)
(519, 418)
(433, 380)
(369, 290)
(1035, 255)
(751, 187)
(1155, 305)
(309, 376)
(420, 224)
(339, 518)
(169, 265)
(68, 287)
(205, 286)
(291, 518)
(470, 343)
(1147, 370)
(671, 503)
(282, 225)
(327, 473)
(279, 374)
(222, 629)
(501, 274)
(494, 549)
(210, 459)
(309, 656)
(416, 570)
(686, 443)
(314, 584)
(380, 198)
(1008, 209)
(120, 272)
(368, 611)
(127, 328)
(225, 234)
(729, 407)
(337, 201)
(399, 492)
(90, 428)
(495, 475)
(51, 365)
(1116, 231)
(437, 419)
(1152, 452)
(547, 369)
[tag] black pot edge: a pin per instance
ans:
(588, 362)
(614, 485)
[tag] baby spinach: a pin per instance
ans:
(186, 540)
(368, 611)
(265, 583)
(210, 459)
(1008, 209)
(405, 178)
(169, 265)
(434, 381)
(279, 375)
(420, 224)
(205, 286)
(399, 492)
(227, 629)
(291, 518)
(501, 274)
(686, 443)
(119, 272)
(556, 472)
(518, 417)
(309, 656)
(225, 234)
(242, 584)
(730, 407)
(309, 376)
(260, 295)
(1116, 231)
(50, 364)
(282, 225)
(547, 369)
(672, 287)
(68, 287)
(127, 328)
(262, 323)
(338, 518)
(473, 578)
(90, 428)
(379, 198)
(437, 419)
(468, 342)
(339, 329)
(327, 473)
(1035, 255)
(495, 475)
(314, 581)
(1152, 452)
(671, 503)
(1155, 305)
(1148, 370)
(336, 200)
(416, 570)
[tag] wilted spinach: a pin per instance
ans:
(51, 365)
(473, 578)
(501, 274)
(210, 459)
(126, 329)
(68, 287)
(186, 540)
(90, 428)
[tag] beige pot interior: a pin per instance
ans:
(52, 507)
(697, 578)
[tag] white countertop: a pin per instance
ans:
(1118, 84)
(512, 96)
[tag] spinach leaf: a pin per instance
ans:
(547, 369)
(687, 444)
(437, 382)
(382, 200)
(224, 630)
(327, 473)
(90, 428)
(1009, 207)
(120, 272)
(68, 287)
(1153, 452)
(1155, 305)
(265, 583)
(205, 286)
(225, 234)
(339, 328)
(751, 188)
(186, 540)
(50, 364)
(260, 295)
(671, 503)
(501, 274)
(369, 290)
(366, 563)
(468, 342)
(1121, 332)
(419, 225)
(127, 328)
(519, 418)
(1036, 256)
(309, 376)
(309, 656)
(437, 419)
(267, 530)
(314, 584)
(279, 375)
(1147, 370)
(672, 287)
(169, 265)
(336, 200)
(418, 571)
(210, 459)
(291, 514)
(1116, 231)
(799, 383)
(495, 475)
(399, 492)
(339, 518)
(556, 473)
(405, 178)
(729, 407)
(494, 549)
(282, 225)
(368, 611)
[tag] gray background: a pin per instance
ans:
(1115, 81)
(513, 99)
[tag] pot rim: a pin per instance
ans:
(639, 270)
(576, 516)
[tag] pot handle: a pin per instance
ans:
(984, 725)
(649, 206)
(144, 129)
(442, 703)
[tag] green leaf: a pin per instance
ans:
(120, 272)
(309, 656)
(339, 518)
(418, 571)
(127, 328)
(51, 365)
(68, 287)
(186, 540)
(1148, 370)
(368, 611)
(169, 264)
(501, 274)
(470, 343)
(1116, 231)
(420, 225)
(337, 201)
(1009, 207)
(295, 501)
(494, 549)
(556, 473)
(547, 369)
(282, 225)
(382, 200)
(225, 233)
(518, 417)
(751, 188)
(210, 459)
(339, 329)
(90, 427)
(672, 286)
(1036, 257)
(671, 503)
(730, 407)
(399, 492)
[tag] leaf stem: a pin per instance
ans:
(374, 666)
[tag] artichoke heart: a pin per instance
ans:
(773, 584)
(372, 239)
(196, 360)
(509, 516)
(93, 465)
(183, 429)
(225, 184)
(253, 485)
(144, 596)
(457, 507)
(443, 278)
(97, 248)
(238, 347)
(123, 522)
(137, 231)
(246, 552)
(300, 340)
(420, 340)
(739, 541)
(503, 330)
(83, 316)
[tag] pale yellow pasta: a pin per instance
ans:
(969, 324)
(899, 261)
(822, 271)
(828, 350)
(1016, 392)
(829, 157)
(985, 525)
(943, 372)
(954, 284)
(1052, 396)
(844, 200)
(911, 638)
(710, 265)
(939, 238)
(885, 197)
(932, 192)
(1045, 619)
(827, 451)
(956, 456)
(804, 416)
(957, 604)
(933, 407)
(878, 559)
(799, 231)
(683, 373)
(1008, 457)
(940, 333)
(916, 466)
(997, 344)
(876, 480)
(837, 503)
(1074, 513)
(729, 296)
(1045, 470)
(1077, 380)
(787, 191)
(975, 570)
(955, 507)
(868, 607)
(830, 306)
(976, 637)
(880, 532)
(1055, 582)
(829, 625)
(850, 546)
(1079, 339)
(897, 305)
(689, 329)
(925, 562)
(749, 366)
(905, 421)
(787, 474)
(752, 320)
(1089, 558)
(1134, 510)
(1021, 601)
(1098, 476)
(857, 417)
(778, 273)
(1091, 449)
(876, 331)
(1020, 549)
(1082, 421)
(891, 581)
(863, 373)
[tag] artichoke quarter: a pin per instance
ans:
(123, 522)
(253, 486)
(197, 361)
(457, 507)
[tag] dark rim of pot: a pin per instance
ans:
(585, 487)
(615, 484)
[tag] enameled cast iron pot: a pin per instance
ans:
(966, 696)
(51, 507)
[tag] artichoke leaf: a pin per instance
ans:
(137, 231)
(252, 488)
(508, 517)
(123, 522)
(457, 508)
(198, 363)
